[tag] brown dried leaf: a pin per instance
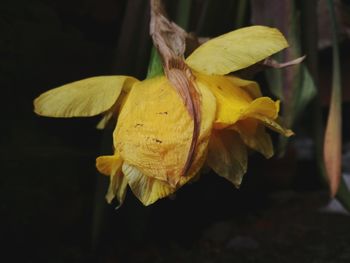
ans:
(332, 147)
(271, 63)
(333, 134)
(248, 73)
(170, 41)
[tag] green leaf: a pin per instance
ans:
(305, 92)
(183, 13)
(241, 12)
(343, 194)
(302, 85)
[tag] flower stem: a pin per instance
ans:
(240, 14)
(183, 13)
(155, 67)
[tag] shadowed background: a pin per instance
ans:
(52, 206)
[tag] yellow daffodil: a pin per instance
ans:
(154, 130)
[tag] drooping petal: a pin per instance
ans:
(251, 87)
(273, 125)
(227, 156)
(147, 189)
(113, 112)
(87, 97)
(154, 129)
(249, 126)
(236, 50)
(106, 118)
(263, 106)
(112, 165)
(254, 135)
(234, 103)
(231, 100)
(108, 164)
(241, 104)
(117, 188)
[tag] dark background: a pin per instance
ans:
(52, 206)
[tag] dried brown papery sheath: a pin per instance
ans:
(170, 41)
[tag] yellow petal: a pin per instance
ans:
(273, 125)
(235, 103)
(110, 116)
(248, 126)
(227, 156)
(117, 188)
(107, 117)
(257, 139)
(108, 164)
(111, 165)
(251, 87)
(87, 97)
(231, 100)
(236, 50)
(154, 129)
(146, 189)
(263, 106)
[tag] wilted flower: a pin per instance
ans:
(154, 129)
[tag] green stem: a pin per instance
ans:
(336, 81)
(240, 14)
(309, 16)
(183, 13)
(155, 67)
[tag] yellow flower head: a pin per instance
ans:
(154, 129)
